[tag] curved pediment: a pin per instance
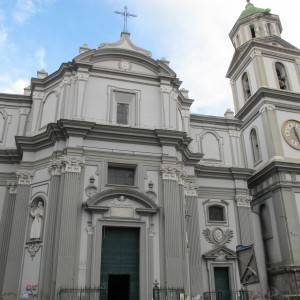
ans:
(124, 56)
(122, 198)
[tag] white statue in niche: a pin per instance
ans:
(37, 213)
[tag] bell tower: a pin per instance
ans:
(265, 78)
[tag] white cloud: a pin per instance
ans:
(12, 87)
(40, 57)
(193, 35)
(3, 35)
(24, 9)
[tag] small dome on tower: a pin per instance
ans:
(250, 9)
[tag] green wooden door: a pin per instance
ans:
(222, 287)
(120, 263)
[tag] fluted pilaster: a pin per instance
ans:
(18, 233)
(5, 227)
(47, 264)
(70, 220)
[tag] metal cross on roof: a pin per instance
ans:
(126, 15)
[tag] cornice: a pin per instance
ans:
(15, 98)
(270, 169)
(267, 93)
(63, 129)
(214, 120)
(262, 44)
(223, 172)
(10, 156)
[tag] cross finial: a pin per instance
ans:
(126, 15)
(248, 1)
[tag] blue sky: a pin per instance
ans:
(192, 34)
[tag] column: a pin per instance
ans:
(259, 68)
(18, 235)
(173, 227)
(5, 227)
(193, 232)
(47, 262)
(67, 257)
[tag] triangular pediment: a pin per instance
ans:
(220, 254)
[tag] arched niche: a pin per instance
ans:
(49, 109)
(211, 146)
(122, 203)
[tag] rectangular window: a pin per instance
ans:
(121, 175)
(122, 113)
(123, 101)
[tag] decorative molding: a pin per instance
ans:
(55, 168)
(12, 186)
(243, 200)
(72, 164)
(24, 177)
(166, 89)
(91, 189)
(267, 107)
(218, 236)
(125, 65)
(38, 95)
(33, 248)
(90, 229)
(190, 189)
(169, 172)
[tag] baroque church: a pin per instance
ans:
(110, 188)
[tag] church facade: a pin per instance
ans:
(111, 187)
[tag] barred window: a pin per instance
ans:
(216, 213)
(121, 175)
(122, 113)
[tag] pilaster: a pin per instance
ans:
(166, 105)
(272, 134)
(18, 234)
(5, 227)
(66, 273)
(260, 72)
(243, 204)
(46, 286)
(173, 227)
(193, 239)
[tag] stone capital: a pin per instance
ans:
(169, 172)
(267, 107)
(166, 89)
(72, 164)
(11, 186)
(55, 168)
(243, 200)
(24, 177)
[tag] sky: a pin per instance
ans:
(191, 34)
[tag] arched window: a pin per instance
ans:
(246, 86)
(252, 30)
(281, 76)
(255, 145)
(216, 213)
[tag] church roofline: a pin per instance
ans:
(15, 98)
(214, 120)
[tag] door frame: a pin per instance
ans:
(143, 252)
(231, 272)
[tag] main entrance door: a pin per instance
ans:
(222, 287)
(120, 263)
